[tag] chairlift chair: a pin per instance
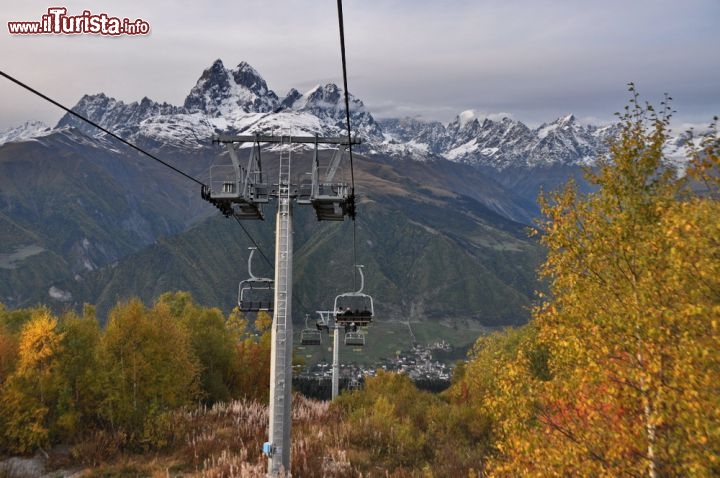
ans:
(310, 336)
(255, 293)
(237, 190)
(331, 200)
(355, 338)
(354, 308)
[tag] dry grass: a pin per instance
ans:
(225, 441)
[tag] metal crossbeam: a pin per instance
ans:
(224, 138)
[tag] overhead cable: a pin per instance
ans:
(347, 120)
(272, 265)
(104, 130)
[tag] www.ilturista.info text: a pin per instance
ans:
(58, 22)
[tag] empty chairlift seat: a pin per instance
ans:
(310, 336)
(256, 293)
(355, 338)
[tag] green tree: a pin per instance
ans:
(14, 320)
(389, 419)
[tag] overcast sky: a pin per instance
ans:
(535, 60)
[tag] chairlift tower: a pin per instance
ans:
(327, 321)
(240, 192)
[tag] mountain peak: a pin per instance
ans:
(325, 95)
(116, 115)
(247, 76)
(24, 132)
(567, 119)
(466, 116)
(219, 91)
(324, 100)
(291, 98)
(215, 74)
(217, 65)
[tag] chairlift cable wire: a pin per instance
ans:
(347, 119)
(345, 86)
(133, 146)
(104, 130)
(257, 246)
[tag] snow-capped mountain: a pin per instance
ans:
(222, 92)
(327, 103)
(24, 132)
(500, 143)
(227, 101)
(121, 118)
(239, 101)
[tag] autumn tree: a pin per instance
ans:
(631, 322)
(28, 396)
(79, 401)
(389, 419)
(214, 341)
(8, 353)
(148, 364)
(253, 376)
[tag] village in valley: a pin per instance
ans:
(422, 363)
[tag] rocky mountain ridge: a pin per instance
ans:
(499, 144)
(238, 100)
(229, 101)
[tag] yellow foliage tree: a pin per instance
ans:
(630, 326)
(8, 353)
(78, 402)
(253, 376)
(149, 366)
(213, 341)
(31, 390)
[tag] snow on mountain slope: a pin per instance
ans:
(239, 101)
(24, 132)
(508, 142)
(231, 101)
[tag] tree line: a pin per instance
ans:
(62, 378)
